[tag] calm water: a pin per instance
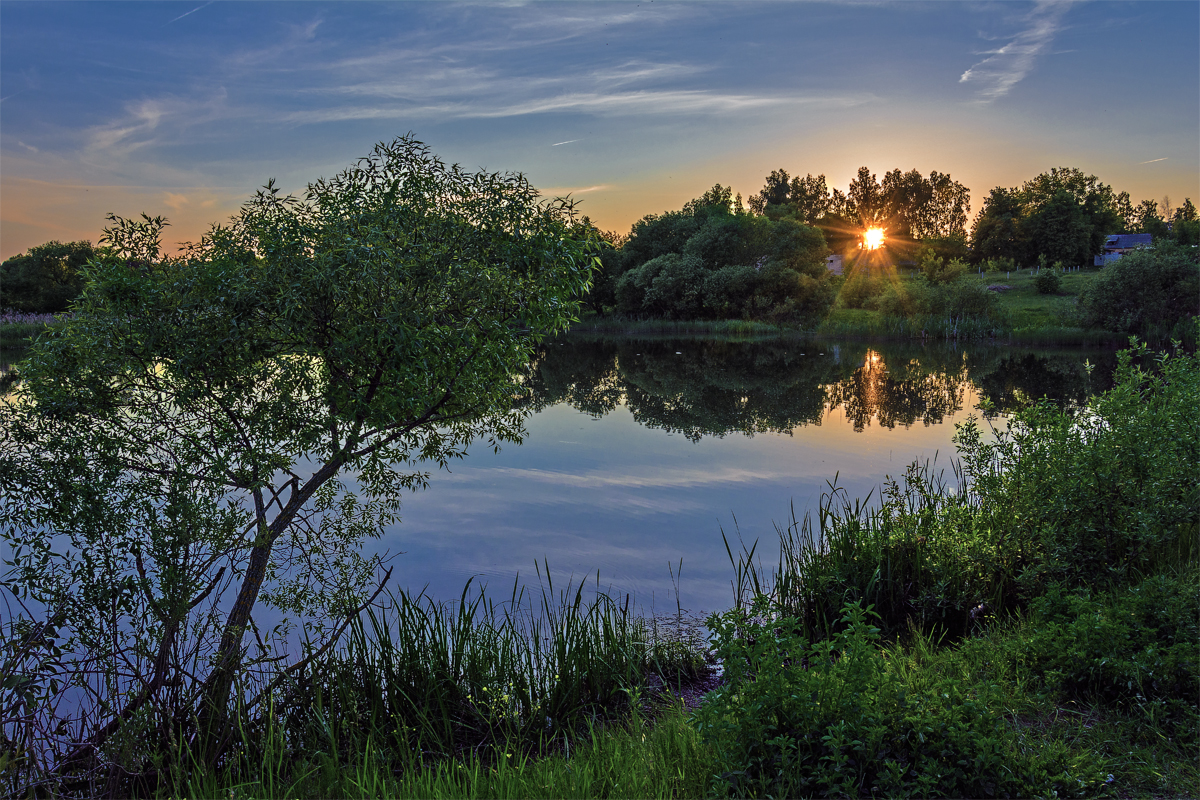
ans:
(639, 454)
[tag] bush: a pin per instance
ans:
(937, 271)
(1048, 281)
(1138, 647)
(1096, 498)
(1151, 293)
(961, 298)
(728, 291)
(833, 718)
(860, 289)
(1002, 264)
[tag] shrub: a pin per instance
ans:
(1002, 264)
(727, 292)
(962, 298)
(1138, 647)
(1151, 293)
(859, 289)
(1099, 497)
(1048, 281)
(832, 718)
(937, 271)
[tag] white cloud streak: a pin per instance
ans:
(193, 11)
(1008, 65)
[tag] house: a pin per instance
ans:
(834, 264)
(1119, 244)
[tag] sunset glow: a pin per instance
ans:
(873, 238)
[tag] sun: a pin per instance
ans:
(873, 238)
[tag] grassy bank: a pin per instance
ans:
(17, 331)
(1022, 315)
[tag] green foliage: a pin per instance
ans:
(1138, 647)
(1090, 497)
(46, 279)
(860, 288)
(666, 760)
(1059, 230)
(1187, 232)
(1062, 214)
(1151, 293)
(708, 262)
(445, 680)
(1001, 264)
(802, 718)
(938, 272)
(189, 424)
(1098, 497)
(1049, 281)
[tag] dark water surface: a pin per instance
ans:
(640, 452)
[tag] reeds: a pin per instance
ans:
(418, 683)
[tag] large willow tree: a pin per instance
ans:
(222, 429)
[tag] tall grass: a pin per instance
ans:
(623, 760)
(477, 683)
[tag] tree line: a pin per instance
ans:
(1065, 215)
(717, 258)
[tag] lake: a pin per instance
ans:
(641, 452)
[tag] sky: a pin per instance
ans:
(183, 109)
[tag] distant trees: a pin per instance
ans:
(910, 206)
(1065, 215)
(45, 279)
(712, 259)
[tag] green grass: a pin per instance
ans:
(19, 335)
(1027, 309)
(617, 324)
(633, 759)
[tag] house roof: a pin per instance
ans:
(1128, 241)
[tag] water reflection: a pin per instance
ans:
(714, 388)
(1067, 379)
(705, 388)
(632, 459)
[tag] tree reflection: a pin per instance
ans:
(703, 388)
(1020, 379)
(899, 396)
(695, 388)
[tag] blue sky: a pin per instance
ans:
(183, 109)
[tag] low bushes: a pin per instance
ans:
(1151, 293)
(833, 717)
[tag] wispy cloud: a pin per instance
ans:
(28, 147)
(563, 191)
(1008, 65)
(1151, 161)
(147, 122)
(193, 11)
(658, 103)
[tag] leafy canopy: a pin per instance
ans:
(176, 450)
